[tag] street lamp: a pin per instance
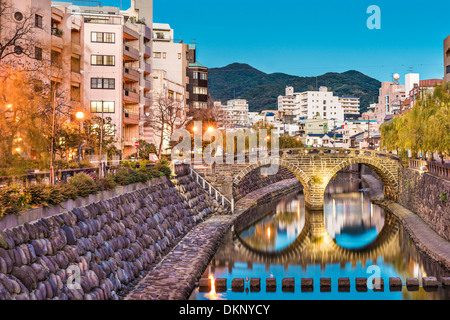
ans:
(80, 117)
(210, 129)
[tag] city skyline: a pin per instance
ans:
(305, 47)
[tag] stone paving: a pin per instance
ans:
(175, 276)
(425, 238)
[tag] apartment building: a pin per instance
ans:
(235, 114)
(53, 48)
(310, 104)
(198, 88)
(169, 54)
(116, 69)
(350, 105)
(447, 59)
(390, 99)
(96, 58)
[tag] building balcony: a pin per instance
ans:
(76, 77)
(130, 97)
(147, 68)
(147, 85)
(148, 33)
(130, 34)
(130, 118)
(76, 48)
(57, 41)
(130, 74)
(130, 53)
(147, 102)
(57, 14)
(147, 51)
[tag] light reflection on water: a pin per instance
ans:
(343, 241)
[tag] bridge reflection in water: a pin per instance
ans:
(351, 234)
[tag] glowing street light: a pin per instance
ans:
(80, 115)
(195, 129)
(210, 129)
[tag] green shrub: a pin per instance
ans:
(12, 200)
(37, 195)
(68, 191)
(84, 183)
(106, 183)
(164, 167)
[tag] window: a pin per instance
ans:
(103, 37)
(18, 50)
(108, 106)
(448, 69)
(179, 56)
(203, 76)
(18, 16)
(38, 21)
(103, 83)
(157, 55)
(200, 90)
(38, 53)
(195, 75)
(98, 60)
(164, 55)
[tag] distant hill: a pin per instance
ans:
(262, 90)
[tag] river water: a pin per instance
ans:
(350, 238)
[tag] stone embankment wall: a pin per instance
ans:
(255, 180)
(428, 196)
(110, 244)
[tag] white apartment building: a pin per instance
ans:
(235, 114)
(167, 90)
(350, 105)
(309, 104)
(117, 69)
(169, 55)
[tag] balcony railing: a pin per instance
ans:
(130, 52)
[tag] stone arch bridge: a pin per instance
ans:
(313, 167)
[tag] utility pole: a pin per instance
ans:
(52, 151)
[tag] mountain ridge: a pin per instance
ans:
(241, 80)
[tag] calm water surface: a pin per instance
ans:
(350, 238)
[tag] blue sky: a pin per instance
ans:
(308, 38)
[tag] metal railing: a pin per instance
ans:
(216, 194)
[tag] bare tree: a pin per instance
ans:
(168, 115)
(16, 34)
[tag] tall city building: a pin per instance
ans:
(198, 90)
(310, 104)
(447, 59)
(48, 42)
(350, 105)
(390, 99)
(234, 114)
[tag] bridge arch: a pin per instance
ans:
(302, 177)
(315, 167)
(390, 181)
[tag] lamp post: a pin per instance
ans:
(100, 167)
(80, 117)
